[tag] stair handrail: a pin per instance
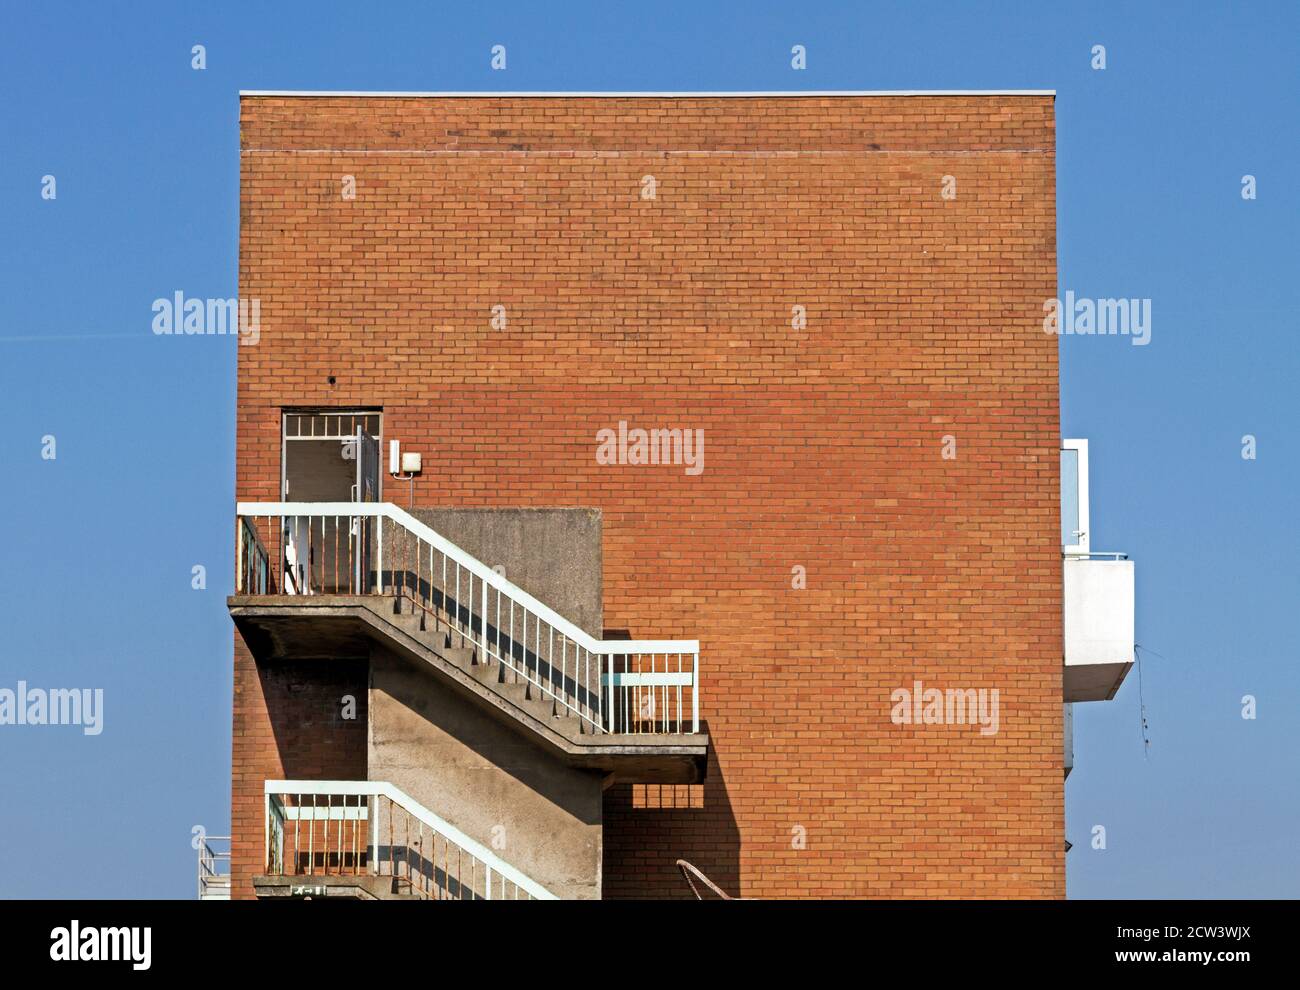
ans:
(382, 788)
(480, 570)
(491, 578)
(690, 871)
(210, 875)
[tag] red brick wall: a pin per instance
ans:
(289, 725)
(822, 446)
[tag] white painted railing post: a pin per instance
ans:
(483, 655)
(488, 896)
(374, 817)
(609, 710)
(379, 573)
(695, 692)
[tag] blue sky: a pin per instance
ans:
(99, 546)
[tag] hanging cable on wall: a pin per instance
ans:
(1138, 649)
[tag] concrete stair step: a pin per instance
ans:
(403, 890)
(433, 632)
(461, 656)
(517, 691)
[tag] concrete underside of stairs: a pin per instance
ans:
(539, 814)
(336, 627)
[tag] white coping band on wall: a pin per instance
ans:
(663, 95)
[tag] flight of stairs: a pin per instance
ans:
(433, 633)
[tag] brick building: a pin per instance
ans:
(837, 300)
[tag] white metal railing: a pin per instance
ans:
(370, 828)
(375, 548)
(214, 868)
(252, 563)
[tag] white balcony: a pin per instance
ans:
(1098, 626)
(1098, 593)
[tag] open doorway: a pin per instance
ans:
(329, 455)
(324, 456)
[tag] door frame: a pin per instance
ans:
(346, 421)
(1083, 539)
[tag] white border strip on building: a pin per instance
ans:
(659, 96)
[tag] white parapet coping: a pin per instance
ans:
(655, 95)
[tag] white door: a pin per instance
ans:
(1074, 497)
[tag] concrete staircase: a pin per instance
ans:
(487, 710)
(345, 626)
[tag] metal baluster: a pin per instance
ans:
(375, 829)
(343, 821)
(662, 695)
(679, 692)
(695, 692)
(311, 839)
